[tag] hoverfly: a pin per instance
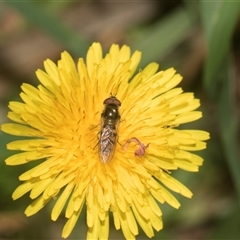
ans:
(109, 126)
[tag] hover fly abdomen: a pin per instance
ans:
(109, 125)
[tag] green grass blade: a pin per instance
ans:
(157, 40)
(219, 19)
(228, 123)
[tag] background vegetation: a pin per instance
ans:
(201, 39)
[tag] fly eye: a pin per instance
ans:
(117, 102)
(107, 101)
(113, 101)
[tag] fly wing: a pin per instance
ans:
(107, 144)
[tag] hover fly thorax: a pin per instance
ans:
(109, 123)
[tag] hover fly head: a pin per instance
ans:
(112, 101)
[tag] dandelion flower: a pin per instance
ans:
(61, 122)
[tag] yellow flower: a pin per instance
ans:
(62, 118)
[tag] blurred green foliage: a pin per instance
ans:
(218, 20)
(44, 19)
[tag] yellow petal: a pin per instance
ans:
(125, 227)
(19, 130)
(22, 189)
(131, 222)
(174, 185)
(68, 227)
(198, 134)
(26, 145)
(15, 117)
(116, 218)
(17, 107)
(24, 157)
(35, 206)
(124, 53)
(46, 81)
(145, 224)
(170, 199)
(156, 221)
(198, 146)
(93, 58)
(61, 201)
(39, 187)
(186, 165)
(104, 228)
(52, 71)
(135, 59)
(187, 117)
(153, 205)
(31, 91)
